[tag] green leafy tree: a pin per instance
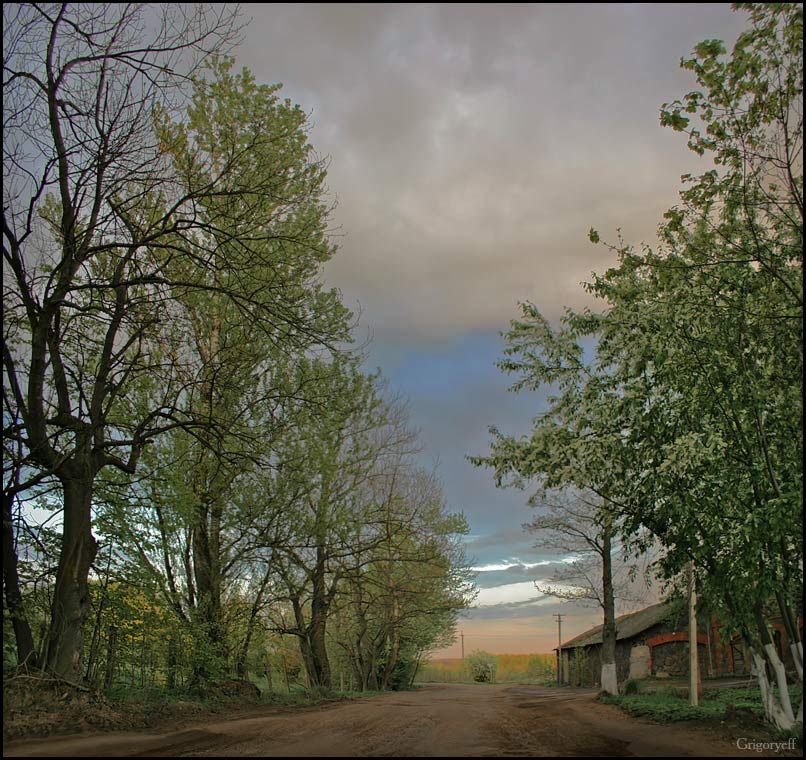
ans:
(82, 302)
(707, 335)
(402, 590)
(575, 450)
(688, 418)
(122, 217)
(240, 374)
(324, 462)
(587, 529)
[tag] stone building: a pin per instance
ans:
(653, 642)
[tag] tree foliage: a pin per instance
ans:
(178, 381)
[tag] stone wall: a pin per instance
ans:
(640, 661)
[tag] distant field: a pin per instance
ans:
(515, 668)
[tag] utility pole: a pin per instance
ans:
(559, 619)
(463, 654)
(693, 661)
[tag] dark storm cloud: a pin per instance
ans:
(527, 609)
(512, 538)
(474, 145)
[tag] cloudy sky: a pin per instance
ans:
(471, 148)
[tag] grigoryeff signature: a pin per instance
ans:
(757, 746)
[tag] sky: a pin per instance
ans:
(471, 147)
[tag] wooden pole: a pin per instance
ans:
(462, 674)
(693, 661)
(559, 648)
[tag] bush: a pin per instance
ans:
(402, 675)
(482, 666)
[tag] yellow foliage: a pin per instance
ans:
(508, 664)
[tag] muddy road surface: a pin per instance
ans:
(435, 721)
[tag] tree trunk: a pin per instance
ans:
(95, 645)
(772, 707)
(269, 682)
(394, 648)
(360, 661)
(243, 653)
(307, 658)
(414, 672)
(71, 594)
(208, 623)
(111, 653)
(609, 672)
(172, 663)
(319, 673)
(356, 672)
(372, 677)
(26, 652)
(778, 708)
(318, 663)
(792, 634)
(91, 673)
(285, 673)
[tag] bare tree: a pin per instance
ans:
(584, 528)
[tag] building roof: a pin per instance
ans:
(627, 626)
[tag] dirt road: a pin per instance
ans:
(436, 721)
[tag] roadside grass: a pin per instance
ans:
(299, 694)
(670, 705)
(157, 698)
(46, 706)
(155, 704)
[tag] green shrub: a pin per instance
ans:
(631, 687)
(482, 666)
(402, 675)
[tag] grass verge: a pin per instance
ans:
(717, 707)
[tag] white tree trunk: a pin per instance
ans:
(773, 709)
(797, 656)
(796, 647)
(609, 678)
(780, 677)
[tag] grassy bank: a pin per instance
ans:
(670, 704)
(43, 706)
